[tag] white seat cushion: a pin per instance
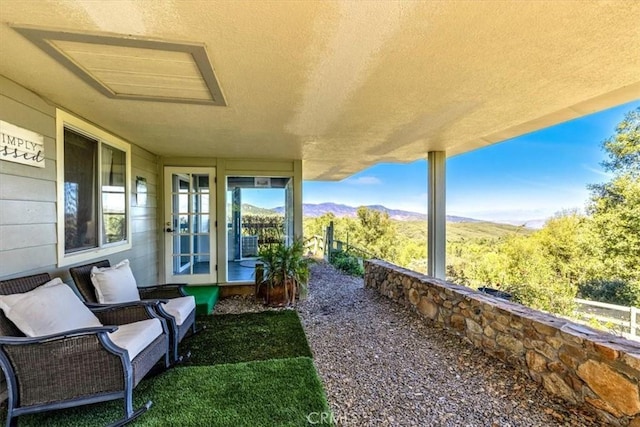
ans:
(135, 337)
(51, 308)
(180, 308)
(115, 284)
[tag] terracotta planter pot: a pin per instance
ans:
(275, 296)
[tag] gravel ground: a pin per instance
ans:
(383, 366)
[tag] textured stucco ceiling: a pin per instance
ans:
(343, 85)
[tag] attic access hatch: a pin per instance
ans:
(126, 67)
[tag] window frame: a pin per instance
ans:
(76, 124)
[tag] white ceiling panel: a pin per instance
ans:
(341, 85)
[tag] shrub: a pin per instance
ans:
(611, 291)
(554, 297)
(346, 262)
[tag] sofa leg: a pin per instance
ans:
(175, 356)
(11, 421)
(132, 416)
(182, 358)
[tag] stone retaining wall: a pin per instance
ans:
(580, 364)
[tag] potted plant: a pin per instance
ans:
(285, 274)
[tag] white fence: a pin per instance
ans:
(617, 319)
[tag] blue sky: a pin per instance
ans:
(531, 177)
(526, 178)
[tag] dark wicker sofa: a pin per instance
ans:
(82, 277)
(77, 367)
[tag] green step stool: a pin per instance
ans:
(206, 297)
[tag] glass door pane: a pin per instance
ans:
(191, 234)
(258, 212)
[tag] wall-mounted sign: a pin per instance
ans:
(20, 145)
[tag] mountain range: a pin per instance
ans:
(345, 211)
(311, 210)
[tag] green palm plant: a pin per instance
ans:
(286, 270)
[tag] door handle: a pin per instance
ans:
(168, 230)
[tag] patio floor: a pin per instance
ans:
(383, 366)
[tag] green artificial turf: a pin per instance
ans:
(282, 392)
(233, 338)
(250, 369)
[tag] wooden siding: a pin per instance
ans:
(27, 194)
(28, 199)
(144, 251)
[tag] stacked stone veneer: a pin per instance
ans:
(580, 364)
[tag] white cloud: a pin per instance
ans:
(364, 180)
(597, 171)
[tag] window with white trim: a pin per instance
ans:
(93, 191)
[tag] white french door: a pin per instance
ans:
(189, 225)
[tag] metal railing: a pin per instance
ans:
(617, 319)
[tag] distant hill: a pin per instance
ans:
(341, 211)
(311, 210)
(248, 209)
(535, 224)
(461, 231)
(482, 230)
(344, 211)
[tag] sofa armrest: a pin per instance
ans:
(5, 340)
(162, 291)
(63, 366)
(124, 313)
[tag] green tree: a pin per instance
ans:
(615, 205)
(623, 148)
(316, 226)
(531, 279)
(410, 250)
(571, 247)
(376, 234)
(530, 267)
(611, 291)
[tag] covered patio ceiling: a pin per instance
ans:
(341, 85)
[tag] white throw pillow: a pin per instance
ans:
(115, 284)
(51, 308)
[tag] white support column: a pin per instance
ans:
(297, 199)
(437, 215)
